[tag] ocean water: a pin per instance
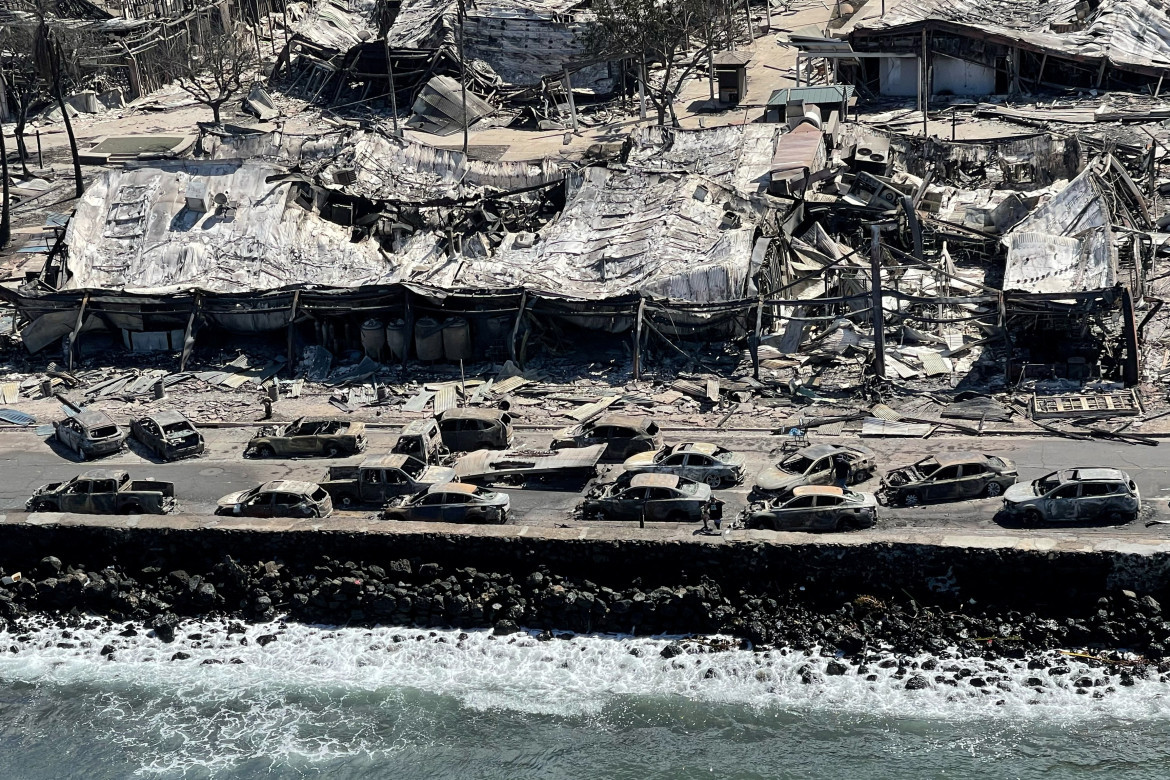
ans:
(356, 703)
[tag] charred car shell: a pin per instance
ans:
(1075, 495)
(453, 502)
(814, 508)
(653, 498)
(91, 434)
(169, 435)
(952, 476)
(815, 466)
(623, 435)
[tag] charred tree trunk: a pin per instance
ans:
(80, 184)
(5, 208)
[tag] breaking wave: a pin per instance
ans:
(297, 697)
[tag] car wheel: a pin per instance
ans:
(911, 499)
(847, 524)
(333, 451)
(1033, 518)
(714, 481)
(132, 509)
(676, 517)
(994, 489)
(1116, 517)
(345, 501)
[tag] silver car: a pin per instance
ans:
(452, 502)
(1076, 495)
(814, 508)
(815, 466)
(699, 461)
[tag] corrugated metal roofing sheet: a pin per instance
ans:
(834, 93)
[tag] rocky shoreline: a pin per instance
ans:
(847, 630)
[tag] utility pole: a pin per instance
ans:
(393, 91)
(876, 314)
(463, 74)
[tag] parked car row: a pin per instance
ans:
(806, 489)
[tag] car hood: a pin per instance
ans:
(1021, 491)
(734, 459)
(231, 498)
(640, 461)
(436, 475)
(567, 434)
(774, 479)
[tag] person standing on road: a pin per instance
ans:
(841, 471)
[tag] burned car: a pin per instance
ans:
(951, 476)
(815, 466)
(1076, 495)
(379, 478)
(309, 437)
(278, 498)
(422, 439)
(699, 461)
(814, 508)
(464, 430)
(104, 493)
(90, 433)
(653, 498)
(453, 502)
(623, 435)
(169, 435)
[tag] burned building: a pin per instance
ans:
(1004, 47)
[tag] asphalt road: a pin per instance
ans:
(27, 461)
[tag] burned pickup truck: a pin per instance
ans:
(104, 493)
(308, 437)
(381, 478)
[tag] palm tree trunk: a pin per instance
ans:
(80, 184)
(5, 209)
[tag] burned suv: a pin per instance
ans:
(1076, 495)
(951, 476)
(90, 433)
(623, 435)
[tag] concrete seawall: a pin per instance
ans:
(1026, 572)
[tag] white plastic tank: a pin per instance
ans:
(396, 339)
(457, 339)
(428, 339)
(373, 338)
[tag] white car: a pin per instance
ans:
(1076, 495)
(699, 461)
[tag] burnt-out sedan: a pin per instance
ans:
(452, 502)
(622, 434)
(169, 435)
(815, 465)
(653, 498)
(814, 508)
(308, 437)
(278, 498)
(951, 476)
(699, 461)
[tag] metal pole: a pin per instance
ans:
(463, 76)
(394, 92)
(40, 156)
(876, 315)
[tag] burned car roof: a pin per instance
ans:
(623, 420)
(453, 487)
(817, 490)
(391, 461)
(471, 413)
(93, 417)
(819, 451)
(1097, 472)
(115, 474)
(166, 417)
(958, 458)
(655, 480)
(288, 486)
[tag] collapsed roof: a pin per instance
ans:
(738, 157)
(211, 225)
(678, 236)
(380, 167)
(1128, 34)
(1065, 245)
